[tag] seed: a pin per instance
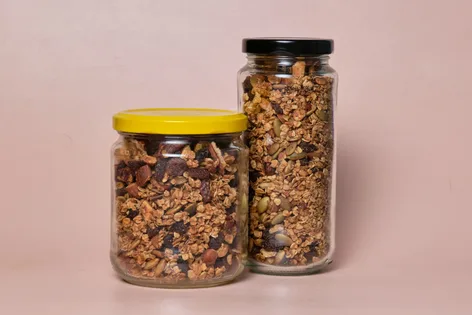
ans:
(320, 81)
(283, 239)
(151, 264)
(191, 209)
(274, 156)
(297, 156)
(160, 267)
(291, 148)
(284, 203)
(273, 148)
(279, 218)
(279, 257)
(321, 114)
(277, 125)
(263, 204)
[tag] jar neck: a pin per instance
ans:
(258, 60)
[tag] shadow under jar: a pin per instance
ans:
(179, 198)
(288, 92)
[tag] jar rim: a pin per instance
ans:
(179, 121)
(297, 46)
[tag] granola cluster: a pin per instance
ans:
(290, 137)
(179, 213)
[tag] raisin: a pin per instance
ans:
(215, 243)
(151, 232)
(220, 262)
(151, 146)
(160, 169)
(130, 213)
(121, 191)
(234, 182)
(176, 166)
(308, 147)
(182, 264)
(135, 164)
(231, 209)
(202, 154)
(124, 175)
(251, 194)
(313, 251)
(205, 191)
(199, 173)
(179, 227)
(277, 108)
(253, 176)
(269, 170)
(304, 162)
(168, 241)
(173, 147)
(270, 243)
(229, 223)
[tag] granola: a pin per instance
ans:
(180, 212)
(290, 137)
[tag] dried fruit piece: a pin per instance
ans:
(134, 165)
(215, 243)
(133, 190)
(176, 166)
(199, 173)
(151, 232)
(124, 175)
(284, 203)
(205, 191)
(179, 227)
(202, 154)
(143, 175)
(160, 169)
(170, 148)
(131, 213)
(277, 108)
(307, 147)
(209, 257)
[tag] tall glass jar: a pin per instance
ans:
(179, 197)
(288, 92)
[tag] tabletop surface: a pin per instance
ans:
(41, 286)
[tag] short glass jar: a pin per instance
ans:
(179, 197)
(288, 91)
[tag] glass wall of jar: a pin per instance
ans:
(288, 92)
(179, 197)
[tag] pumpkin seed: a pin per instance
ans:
(283, 239)
(263, 204)
(273, 148)
(151, 264)
(277, 125)
(291, 148)
(279, 218)
(297, 156)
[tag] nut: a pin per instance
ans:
(209, 256)
(151, 264)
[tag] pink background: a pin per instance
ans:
(405, 178)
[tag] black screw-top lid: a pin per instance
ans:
(288, 46)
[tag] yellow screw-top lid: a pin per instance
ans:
(179, 121)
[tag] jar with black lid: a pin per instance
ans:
(287, 89)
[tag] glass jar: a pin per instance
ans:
(288, 92)
(179, 197)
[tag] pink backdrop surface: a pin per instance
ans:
(404, 174)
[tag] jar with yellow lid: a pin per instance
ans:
(179, 197)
